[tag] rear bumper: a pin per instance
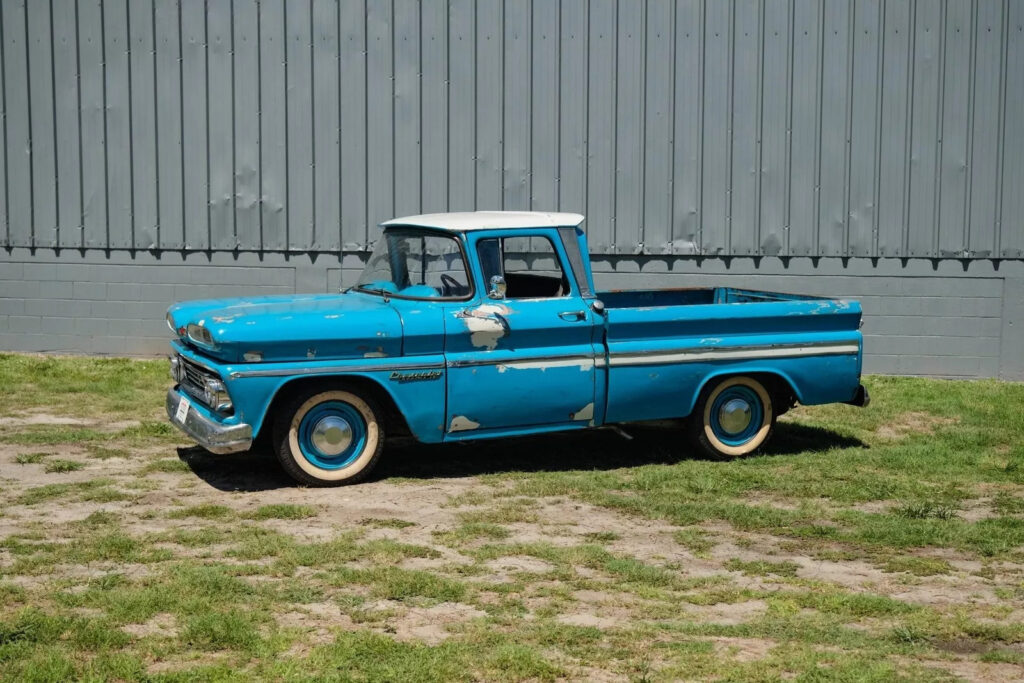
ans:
(212, 435)
(861, 399)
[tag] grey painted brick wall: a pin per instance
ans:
(922, 317)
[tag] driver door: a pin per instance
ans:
(524, 359)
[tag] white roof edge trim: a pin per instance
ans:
(487, 220)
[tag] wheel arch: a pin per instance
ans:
(779, 384)
(360, 384)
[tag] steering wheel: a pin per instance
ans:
(451, 285)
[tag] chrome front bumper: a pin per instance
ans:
(211, 435)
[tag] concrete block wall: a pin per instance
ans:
(936, 318)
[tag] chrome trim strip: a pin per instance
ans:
(696, 355)
(333, 369)
(573, 359)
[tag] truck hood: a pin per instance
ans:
(289, 327)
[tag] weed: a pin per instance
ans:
(283, 511)
(58, 466)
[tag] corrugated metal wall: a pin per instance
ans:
(789, 127)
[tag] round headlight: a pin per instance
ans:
(170, 323)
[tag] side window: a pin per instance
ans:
(530, 265)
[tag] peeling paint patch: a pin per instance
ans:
(379, 353)
(485, 331)
(584, 364)
(583, 414)
(310, 353)
(461, 423)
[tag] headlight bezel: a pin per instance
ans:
(199, 334)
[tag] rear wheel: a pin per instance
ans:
(733, 417)
(329, 438)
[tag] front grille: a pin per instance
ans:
(194, 376)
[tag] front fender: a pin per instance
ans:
(416, 384)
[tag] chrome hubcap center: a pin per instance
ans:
(734, 415)
(332, 435)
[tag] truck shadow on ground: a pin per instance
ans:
(600, 449)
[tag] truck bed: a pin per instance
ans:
(663, 344)
(648, 298)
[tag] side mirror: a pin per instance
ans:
(498, 287)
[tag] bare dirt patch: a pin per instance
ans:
(743, 649)
(428, 624)
(163, 625)
(912, 422)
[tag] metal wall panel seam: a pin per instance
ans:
(1001, 137)
(206, 83)
(673, 84)
(3, 116)
(31, 156)
(641, 245)
(131, 126)
(787, 199)
(971, 105)
(851, 21)
(909, 127)
(259, 123)
(181, 122)
(816, 234)
(759, 149)
(312, 118)
(78, 79)
(156, 127)
(730, 100)
(366, 115)
(287, 133)
(586, 103)
(880, 85)
(234, 136)
(53, 114)
(701, 66)
(940, 122)
(341, 142)
(615, 139)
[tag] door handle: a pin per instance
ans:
(574, 316)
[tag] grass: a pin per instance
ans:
(283, 511)
(59, 465)
(878, 544)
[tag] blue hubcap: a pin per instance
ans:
(736, 415)
(332, 435)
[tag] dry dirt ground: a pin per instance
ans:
(471, 567)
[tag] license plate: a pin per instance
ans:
(182, 412)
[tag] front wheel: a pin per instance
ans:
(733, 417)
(329, 438)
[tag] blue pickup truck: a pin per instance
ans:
(482, 325)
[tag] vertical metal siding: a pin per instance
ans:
(861, 128)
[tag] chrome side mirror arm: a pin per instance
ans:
(497, 287)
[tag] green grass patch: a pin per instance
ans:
(30, 458)
(389, 523)
(58, 465)
(283, 511)
(166, 466)
(763, 568)
(204, 511)
(919, 566)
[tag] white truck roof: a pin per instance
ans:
(488, 220)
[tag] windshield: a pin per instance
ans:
(416, 264)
